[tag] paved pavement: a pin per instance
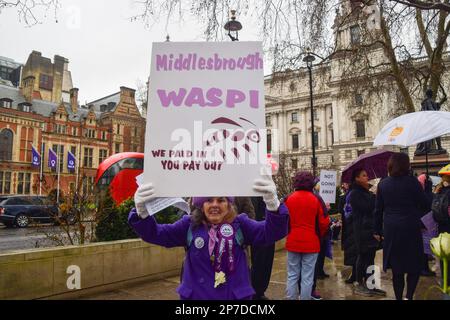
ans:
(333, 288)
(36, 236)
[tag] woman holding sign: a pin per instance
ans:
(215, 267)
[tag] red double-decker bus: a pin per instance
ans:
(118, 173)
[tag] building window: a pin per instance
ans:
(102, 155)
(135, 131)
(118, 129)
(332, 136)
(90, 133)
(23, 183)
(295, 142)
(359, 99)
(294, 164)
(6, 144)
(88, 184)
(316, 115)
(360, 129)
(74, 131)
(45, 82)
(60, 155)
(88, 157)
(316, 139)
(360, 152)
(268, 121)
(60, 129)
(355, 34)
(117, 147)
(6, 103)
(331, 112)
(294, 117)
(269, 143)
(103, 135)
(5, 182)
(404, 150)
(25, 107)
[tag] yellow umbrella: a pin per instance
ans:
(445, 170)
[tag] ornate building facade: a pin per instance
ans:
(44, 112)
(346, 120)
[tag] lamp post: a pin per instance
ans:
(233, 25)
(309, 59)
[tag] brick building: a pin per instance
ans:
(44, 112)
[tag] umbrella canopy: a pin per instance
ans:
(445, 170)
(414, 128)
(375, 164)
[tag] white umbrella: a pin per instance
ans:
(414, 128)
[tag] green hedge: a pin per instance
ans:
(113, 221)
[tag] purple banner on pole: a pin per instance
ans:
(36, 157)
(70, 161)
(52, 159)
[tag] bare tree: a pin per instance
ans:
(426, 5)
(31, 12)
(411, 35)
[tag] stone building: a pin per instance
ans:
(345, 123)
(44, 112)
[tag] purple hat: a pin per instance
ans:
(199, 201)
(303, 180)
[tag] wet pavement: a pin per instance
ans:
(332, 288)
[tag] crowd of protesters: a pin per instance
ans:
(230, 242)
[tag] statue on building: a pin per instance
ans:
(432, 146)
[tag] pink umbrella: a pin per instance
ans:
(375, 164)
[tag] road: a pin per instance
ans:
(32, 237)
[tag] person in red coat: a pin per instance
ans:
(306, 225)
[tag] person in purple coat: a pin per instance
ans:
(215, 266)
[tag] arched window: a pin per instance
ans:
(6, 144)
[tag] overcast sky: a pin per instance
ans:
(105, 49)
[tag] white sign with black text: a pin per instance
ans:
(328, 181)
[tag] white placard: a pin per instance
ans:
(158, 204)
(205, 131)
(328, 181)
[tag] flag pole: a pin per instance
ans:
(41, 169)
(59, 169)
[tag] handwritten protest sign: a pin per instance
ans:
(205, 119)
(328, 186)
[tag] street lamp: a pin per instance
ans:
(233, 25)
(309, 59)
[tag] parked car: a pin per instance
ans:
(22, 210)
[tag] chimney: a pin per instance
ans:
(74, 100)
(28, 88)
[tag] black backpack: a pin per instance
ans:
(439, 206)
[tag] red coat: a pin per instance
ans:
(304, 211)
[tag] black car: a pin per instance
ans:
(23, 210)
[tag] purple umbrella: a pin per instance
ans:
(375, 164)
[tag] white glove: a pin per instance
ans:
(267, 187)
(143, 194)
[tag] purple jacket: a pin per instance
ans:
(198, 273)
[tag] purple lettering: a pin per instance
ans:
(195, 97)
(217, 62)
(161, 62)
(172, 97)
(210, 64)
(201, 63)
(254, 99)
(233, 97)
(213, 96)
